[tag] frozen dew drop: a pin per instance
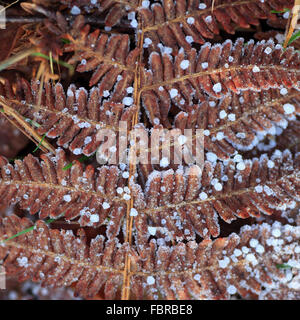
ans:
(164, 162)
(203, 196)
(128, 101)
(152, 230)
(133, 212)
(217, 87)
(190, 20)
(231, 289)
(173, 93)
(105, 205)
(184, 64)
(67, 198)
(241, 166)
(150, 280)
(288, 108)
(94, 218)
(75, 10)
(283, 91)
(255, 69)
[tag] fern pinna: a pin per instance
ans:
(155, 230)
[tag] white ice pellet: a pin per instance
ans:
(94, 218)
(77, 151)
(173, 93)
(237, 252)
(288, 108)
(217, 87)
(197, 277)
(67, 198)
(87, 140)
(134, 23)
(145, 3)
(268, 50)
(286, 15)
(222, 114)
(208, 19)
(270, 164)
(206, 132)
(105, 205)
(203, 196)
(184, 64)
(258, 189)
(23, 262)
(189, 39)
(128, 101)
(204, 65)
(231, 117)
(218, 186)
(253, 243)
(241, 166)
(251, 258)
(75, 10)
(129, 90)
(283, 91)
(152, 230)
(255, 69)
(126, 197)
(231, 289)
(260, 249)
(125, 174)
(276, 233)
(211, 157)
(147, 42)
(190, 20)
(133, 212)
(106, 93)
(150, 280)
(119, 190)
(224, 263)
(220, 136)
(164, 162)
(237, 158)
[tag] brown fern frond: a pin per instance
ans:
(239, 122)
(48, 188)
(73, 117)
(109, 57)
(233, 122)
(147, 226)
(58, 258)
(189, 202)
(177, 24)
(115, 9)
(243, 264)
(216, 71)
(216, 269)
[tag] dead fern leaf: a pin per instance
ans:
(211, 270)
(46, 188)
(73, 117)
(58, 258)
(152, 224)
(189, 201)
(177, 24)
